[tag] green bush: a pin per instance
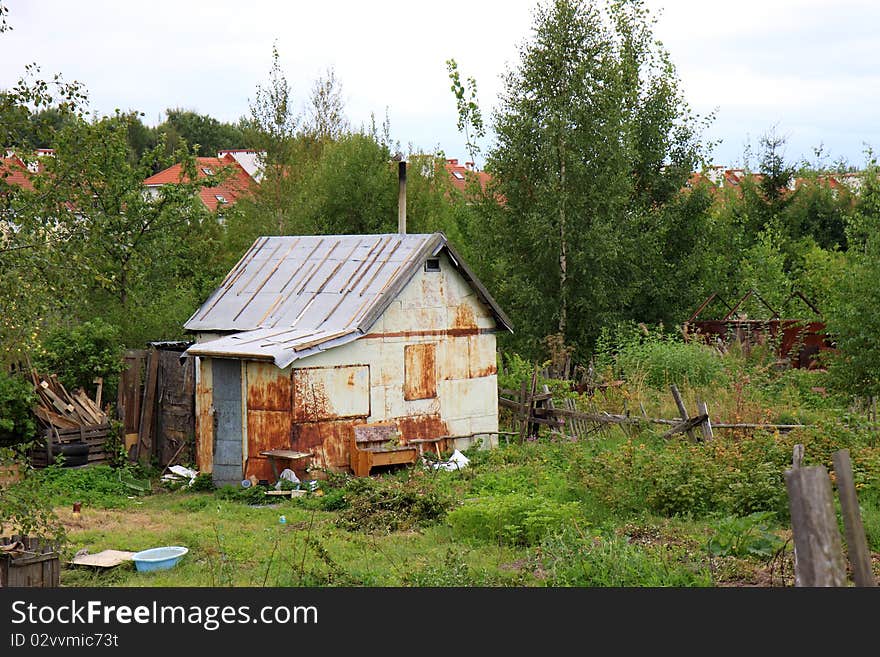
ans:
(747, 536)
(660, 358)
(81, 353)
(17, 398)
(515, 519)
(96, 485)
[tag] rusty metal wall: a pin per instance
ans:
(268, 416)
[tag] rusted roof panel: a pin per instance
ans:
(289, 296)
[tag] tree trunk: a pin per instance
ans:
(563, 245)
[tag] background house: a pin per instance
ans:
(236, 183)
(309, 336)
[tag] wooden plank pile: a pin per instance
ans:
(60, 409)
(67, 417)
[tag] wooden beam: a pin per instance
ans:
(856, 545)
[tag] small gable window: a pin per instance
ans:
(432, 264)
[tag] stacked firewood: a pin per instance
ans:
(56, 407)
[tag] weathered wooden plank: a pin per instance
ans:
(705, 427)
(856, 544)
(145, 430)
(686, 426)
(682, 410)
(814, 525)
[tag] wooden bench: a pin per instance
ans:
(371, 445)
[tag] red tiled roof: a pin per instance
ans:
(15, 172)
(238, 184)
(461, 175)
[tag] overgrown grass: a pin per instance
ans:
(622, 508)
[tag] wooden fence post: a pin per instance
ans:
(856, 545)
(706, 427)
(814, 525)
(682, 410)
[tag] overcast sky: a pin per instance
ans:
(804, 68)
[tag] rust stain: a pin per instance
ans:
(485, 371)
(269, 395)
(310, 400)
(261, 468)
(423, 426)
(464, 317)
(328, 441)
(435, 333)
(420, 371)
(267, 430)
(350, 381)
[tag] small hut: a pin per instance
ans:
(309, 338)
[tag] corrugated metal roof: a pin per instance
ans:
(290, 296)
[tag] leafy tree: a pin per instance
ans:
(326, 120)
(593, 137)
(204, 133)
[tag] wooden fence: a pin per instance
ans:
(532, 409)
(156, 404)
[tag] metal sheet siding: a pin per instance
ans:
(228, 416)
(331, 393)
(269, 403)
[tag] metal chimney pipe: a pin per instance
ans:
(401, 197)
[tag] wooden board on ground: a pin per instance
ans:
(105, 559)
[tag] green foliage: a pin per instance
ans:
(513, 519)
(16, 400)
(204, 482)
(96, 485)
(673, 478)
(594, 138)
(82, 352)
(570, 558)
(660, 358)
(747, 536)
(26, 509)
(253, 495)
(454, 571)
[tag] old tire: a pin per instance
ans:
(74, 453)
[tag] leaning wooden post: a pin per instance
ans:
(814, 525)
(682, 410)
(856, 545)
(705, 427)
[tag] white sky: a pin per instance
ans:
(805, 68)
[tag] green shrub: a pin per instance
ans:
(514, 519)
(747, 536)
(17, 397)
(80, 353)
(660, 358)
(572, 559)
(204, 482)
(96, 485)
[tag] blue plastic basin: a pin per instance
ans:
(160, 558)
